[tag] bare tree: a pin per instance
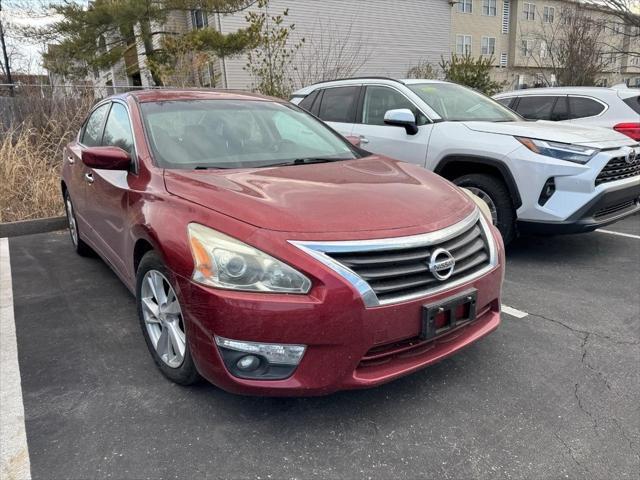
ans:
(570, 49)
(330, 53)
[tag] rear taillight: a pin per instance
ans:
(629, 129)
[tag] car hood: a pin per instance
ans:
(555, 132)
(367, 194)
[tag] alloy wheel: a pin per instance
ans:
(71, 220)
(163, 318)
(488, 200)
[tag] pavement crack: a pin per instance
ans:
(571, 454)
(581, 333)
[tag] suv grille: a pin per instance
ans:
(617, 169)
(398, 269)
(613, 209)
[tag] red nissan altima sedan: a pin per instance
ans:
(270, 255)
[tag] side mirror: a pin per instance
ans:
(402, 117)
(353, 140)
(106, 158)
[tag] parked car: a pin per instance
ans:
(617, 107)
(539, 177)
(270, 255)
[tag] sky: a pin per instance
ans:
(28, 52)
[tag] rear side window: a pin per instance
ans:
(560, 110)
(308, 101)
(536, 107)
(634, 103)
(92, 133)
(117, 131)
(339, 104)
(580, 107)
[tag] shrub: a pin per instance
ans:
(472, 72)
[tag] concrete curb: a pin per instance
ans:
(29, 227)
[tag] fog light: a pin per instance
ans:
(248, 363)
(259, 361)
(548, 189)
(277, 353)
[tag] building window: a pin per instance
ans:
(488, 45)
(527, 48)
(463, 44)
(529, 11)
(465, 6)
(543, 49)
(548, 14)
(489, 8)
(199, 19)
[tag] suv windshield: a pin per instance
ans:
(458, 104)
(238, 134)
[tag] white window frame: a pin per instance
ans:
(548, 15)
(465, 6)
(466, 44)
(526, 47)
(543, 49)
(488, 45)
(529, 10)
(194, 17)
(490, 8)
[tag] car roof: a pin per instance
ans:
(589, 91)
(360, 80)
(164, 95)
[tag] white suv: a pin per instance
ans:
(617, 107)
(540, 176)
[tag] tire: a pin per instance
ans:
(503, 213)
(79, 246)
(163, 328)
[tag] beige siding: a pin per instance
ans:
(395, 35)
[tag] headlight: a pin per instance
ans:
(561, 151)
(481, 204)
(224, 262)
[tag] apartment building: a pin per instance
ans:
(520, 36)
(368, 37)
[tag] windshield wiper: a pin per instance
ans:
(306, 161)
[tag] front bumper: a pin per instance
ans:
(608, 206)
(349, 346)
(580, 202)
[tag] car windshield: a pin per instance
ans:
(238, 134)
(458, 104)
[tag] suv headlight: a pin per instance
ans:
(224, 262)
(561, 151)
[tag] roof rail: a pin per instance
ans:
(372, 77)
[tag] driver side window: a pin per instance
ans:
(92, 133)
(117, 131)
(378, 100)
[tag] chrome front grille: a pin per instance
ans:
(616, 169)
(392, 270)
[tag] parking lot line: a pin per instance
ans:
(514, 312)
(14, 453)
(610, 232)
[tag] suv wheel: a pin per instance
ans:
(162, 323)
(496, 195)
(79, 246)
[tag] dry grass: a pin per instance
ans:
(31, 154)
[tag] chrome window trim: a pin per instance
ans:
(318, 250)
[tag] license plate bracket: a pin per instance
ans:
(444, 316)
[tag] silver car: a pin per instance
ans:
(617, 107)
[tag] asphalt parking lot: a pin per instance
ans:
(553, 394)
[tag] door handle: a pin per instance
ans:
(88, 177)
(71, 160)
(363, 140)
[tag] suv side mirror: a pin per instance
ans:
(402, 117)
(106, 158)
